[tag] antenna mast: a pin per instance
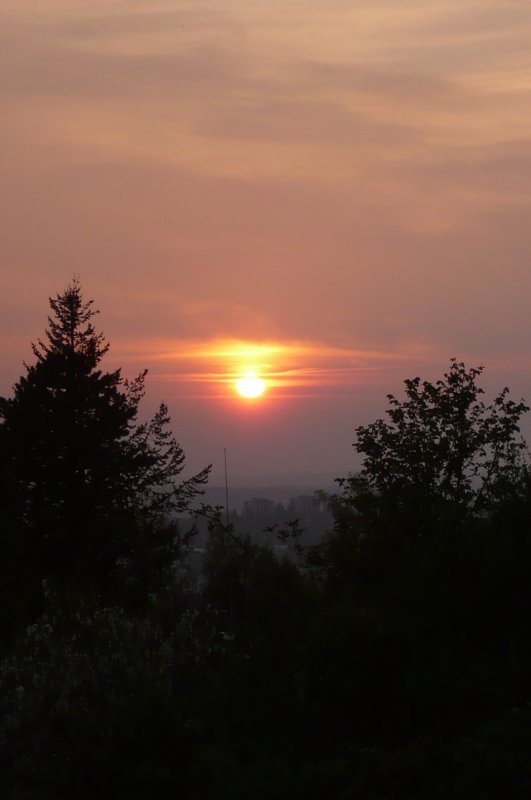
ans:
(226, 487)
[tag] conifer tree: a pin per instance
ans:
(80, 477)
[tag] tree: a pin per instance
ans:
(443, 444)
(425, 575)
(81, 479)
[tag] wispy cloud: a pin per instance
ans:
(291, 369)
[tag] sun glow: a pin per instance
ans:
(250, 385)
(280, 370)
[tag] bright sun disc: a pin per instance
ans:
(250, 386)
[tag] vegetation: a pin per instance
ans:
(442, 445)
(391, 662)
(86, 489)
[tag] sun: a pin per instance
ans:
(250, 385)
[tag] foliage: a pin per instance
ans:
(83, 483)
(443, 444)
(92, 705)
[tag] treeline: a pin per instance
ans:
(391, 662)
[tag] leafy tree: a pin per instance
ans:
(442, 443)
(440, 466)
(426, 571)
(82, 482)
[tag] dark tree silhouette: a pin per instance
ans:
(442, 443)
(80, 477)
(426, 569)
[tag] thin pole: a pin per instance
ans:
(226, 487)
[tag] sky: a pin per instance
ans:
(332, 194)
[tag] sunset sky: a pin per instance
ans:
(332, 194)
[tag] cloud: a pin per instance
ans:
(332, 172)
(289, 369)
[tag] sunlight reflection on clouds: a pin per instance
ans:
(289, 369)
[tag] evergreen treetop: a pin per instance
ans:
(80, 476)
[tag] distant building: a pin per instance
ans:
(261, 507)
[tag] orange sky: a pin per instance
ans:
(348, 180)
